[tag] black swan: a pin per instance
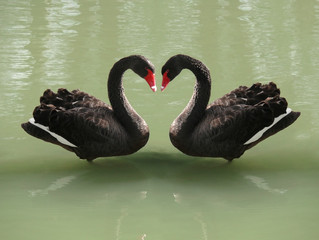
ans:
(231, 124)
(89, 127)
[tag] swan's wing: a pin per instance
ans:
(225, 123)
(241, 122)
(68, 100)
(79, 126)
(249, 96)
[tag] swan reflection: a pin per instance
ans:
(58, 42)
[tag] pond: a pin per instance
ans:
(271, 192)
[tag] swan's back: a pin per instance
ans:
(231, 122)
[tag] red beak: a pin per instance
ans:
(150, 79)
(165, 81)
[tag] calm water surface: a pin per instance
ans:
(271, 192)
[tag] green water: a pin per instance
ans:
(271, 192)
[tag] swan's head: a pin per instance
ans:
(171, 69)
(145, 69)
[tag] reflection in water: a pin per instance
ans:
(221, 35)
(315, 37)
(198, 218)
(245, 6)
(16, 63)
(58, 184)
(222, 11)
(257, 21)
(119, 223)
(143, 237)
(94, 29)
(176, 103)
(61, 18)
(181, 30)
(262, 184)
(180, 34)
(285, 50)
(143, 195)
(133, 28)
(95, 41)
(96, 19)
(304, 76)
(177, 197)
(290, 24)
(313, 91)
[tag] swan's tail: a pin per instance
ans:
(38, 126)
(270, 111)
(275, 116)
(279, 123)
(37, 132)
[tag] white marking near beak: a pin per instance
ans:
(262, 131)
(56, 136)
(154, 88)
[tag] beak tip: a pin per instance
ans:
(154, 88)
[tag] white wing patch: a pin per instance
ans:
(56, 136)
(261, 132)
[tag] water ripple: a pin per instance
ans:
(17, 62)
(57, 44)
(57, 184)
(264, 54)
(262, 184)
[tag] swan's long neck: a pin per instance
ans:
(195, 109)
(123, 110)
